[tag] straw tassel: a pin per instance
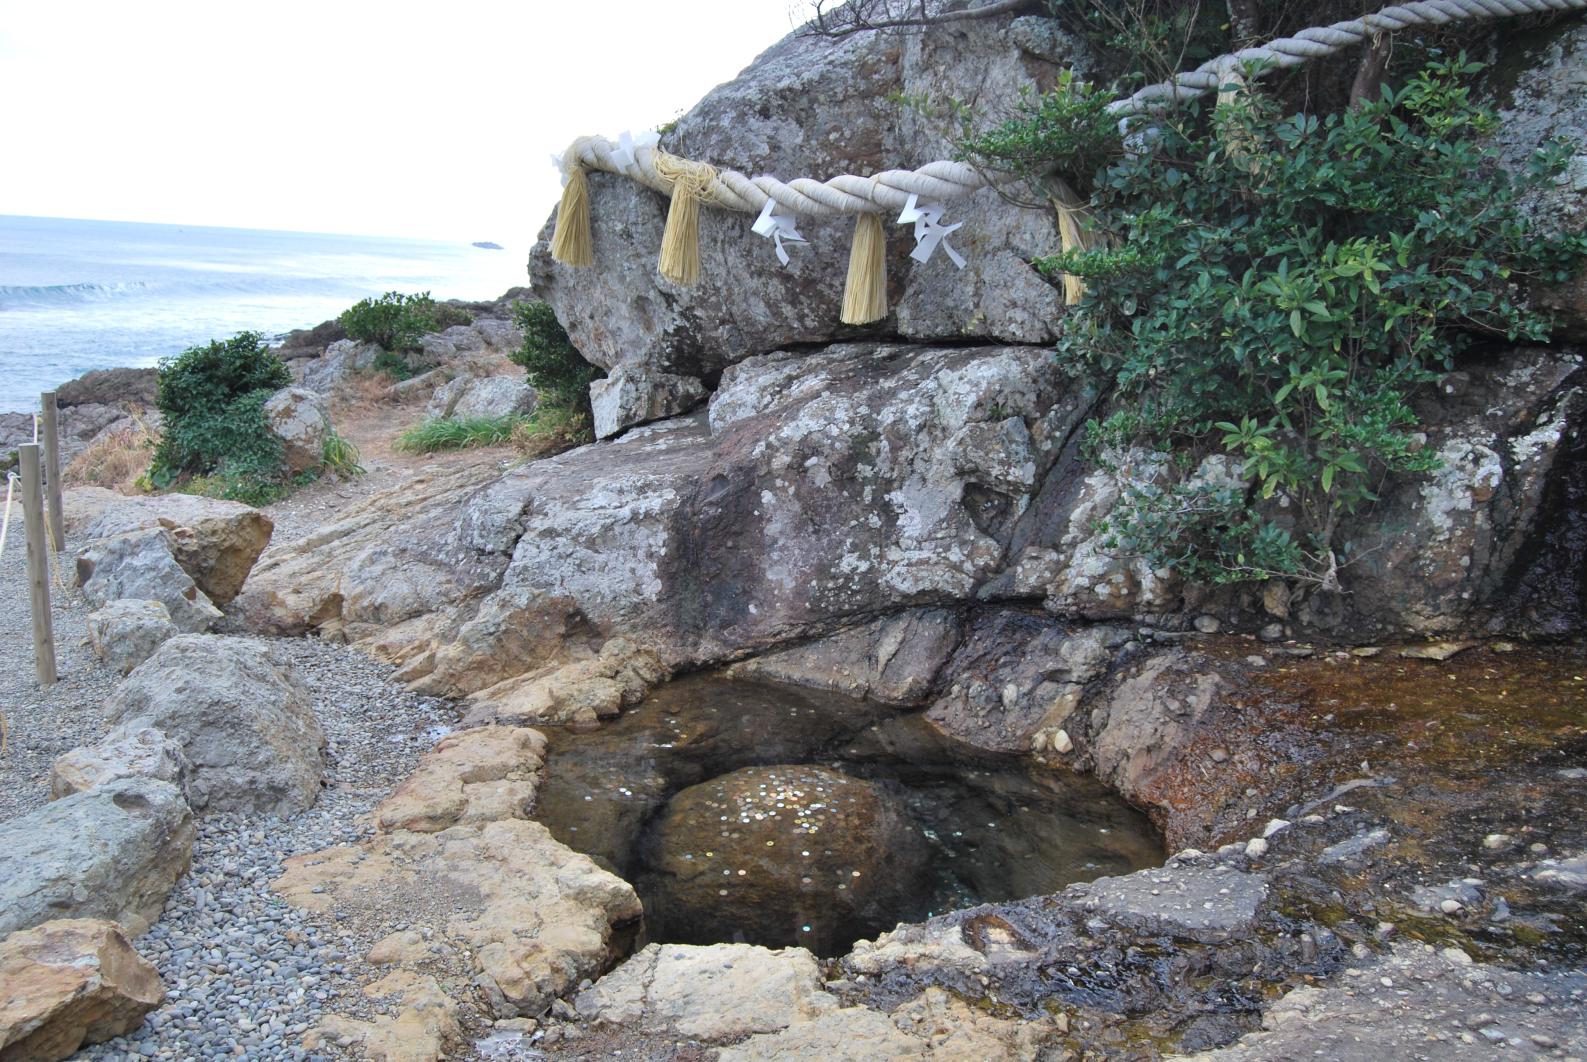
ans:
(680, 241)
(865, 293)
(1072, 235)
(570, 243)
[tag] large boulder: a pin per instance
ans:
(71, 982)
(125, 633)
(141, 566)
(216, 542)
(244, 719)
(297, 416)
(112, 852)
(110, 387)
(813, 106)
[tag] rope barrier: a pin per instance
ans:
(691, 183)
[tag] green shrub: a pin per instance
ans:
(432, 435)
(1276, 289)
(397, 322)
(212, 399)
(556, 369)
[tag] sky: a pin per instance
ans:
(383, 118)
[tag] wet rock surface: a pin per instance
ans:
(790, 855)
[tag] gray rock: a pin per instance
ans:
(141, 566)
(812, 106)
(634, 395)
(1353, 848)
(340, 361)
(499, 335)
(468, 397)
(125, 633)
(1152, 712)
(894, 660)
(243, 718)
(1206, 904)
(297, 416)
(1045, 39)
(139, 753)
(110, 387)
(215, 541)
(113, 852)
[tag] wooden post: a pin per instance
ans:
(52, 470)
(38, 563)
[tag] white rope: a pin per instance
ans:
(5, 521)
(889, 191)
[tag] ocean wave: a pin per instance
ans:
(50, 294)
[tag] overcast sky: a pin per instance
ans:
(390, 118)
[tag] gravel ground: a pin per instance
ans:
(246, 975)
(41, 726)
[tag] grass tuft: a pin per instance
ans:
(432, 436)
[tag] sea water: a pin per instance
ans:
(81, 295)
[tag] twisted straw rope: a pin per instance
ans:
(890, 190)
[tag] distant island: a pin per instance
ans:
(487, 245)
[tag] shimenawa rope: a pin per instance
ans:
(890, 190)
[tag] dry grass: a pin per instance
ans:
(116, 460)
(551, 431)
(361, 393)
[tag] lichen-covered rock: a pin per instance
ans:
(141, 566)
(297, 416)
(111, 852)
(215, 541)
(479, 775)
(537, 917)
(71, 982)
(717, 993)
(141, 753)
(632, 395)
(125, 633)
(813, 106)
(244, 720)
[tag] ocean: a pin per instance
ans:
(81, 295)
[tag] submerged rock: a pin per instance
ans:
(788, 855)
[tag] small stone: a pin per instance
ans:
(1456, 957)
(1437, 651)
(1255, 848)
(1497, 841)
(1274, 826)
(1208, 624)
(1218, 755)
(1273, 632)
(1366, 651)
(1061, 742)
(1450, 907)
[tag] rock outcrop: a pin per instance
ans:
(112, 852)
(537, 917)
(479, 775)
(809, 106)
(67, 983)
(472, 397)
(244, 721)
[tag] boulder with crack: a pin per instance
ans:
(71, 982)
(216, 542)
(537, 917)
(141, 566)
(128, 753)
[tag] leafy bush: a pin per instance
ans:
(1276, 290)
(212, 399)
(430, 436)
(557, 371)
(397, 322)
